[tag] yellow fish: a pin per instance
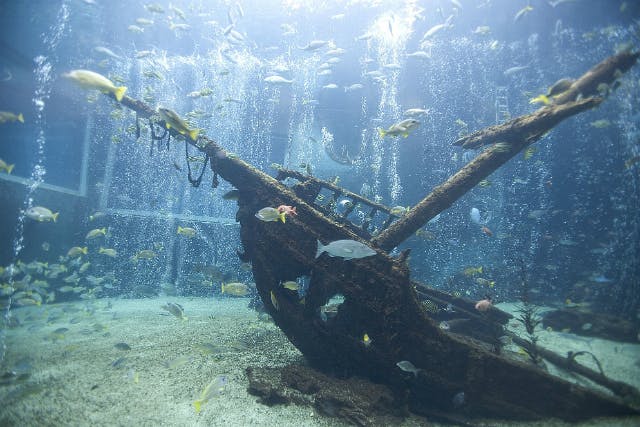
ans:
(402, 128)
(235, 288)
(144, 254)
(96, 232)
(173, 120)
(291, 285)
(472, 271)
(600, 124)
(108, 252)
(274, 301)
(366, 340)
(91, 80)
(76, 251)
(529, 152)
(214, 388)
(7, 116)
(187, 231)
(5, 166)
(627, 164)
(540, 99)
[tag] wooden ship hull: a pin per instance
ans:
(379, 297)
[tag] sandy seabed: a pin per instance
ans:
(72, 380)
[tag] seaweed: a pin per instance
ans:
(529, 316)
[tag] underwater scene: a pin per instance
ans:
(320, 212)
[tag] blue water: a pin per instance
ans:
(570, 213)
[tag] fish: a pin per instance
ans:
(398, 210)
(173, 120)
(416, 112)
(600, 124)
(72, 278)
(330, 86)
(347, 249)
(426, 235)
(96, 215)
(472, 271)
(514, 70)
(392, 66)
(484, 304)
(485, 282)
(315, 45)
(400, 129)
(336, 52)
(288, 210)
(214, 388)
(407, 366)
(345, 204)
(420, 54)
(108, 252)
(41, 214)
(122, 346)
(144, 21)
(237, 289)
(486, 231)
(154, 8)
(458, 399)
(6, 167)
(175, 309)
(555, 3)
(187, 231)
(144, 54)
(537, 214)
(600, 279)
(291, 285)
(95, 281)
(91, 80)
(278, 80)
(84, 267)
(631, 161)
(484, 183)
(540, 99)
(474, 214)
(522, 12)
(353, 87)
(135, 29)
(366, 340)
(270, 214)
(95, 233)
(144, 254)
(482, 30)
(560, 86)
(437, 28)
(274, 301)
(106, 51)
(529, 152)
(7, 117)
(177, 362)
(153, 74)
(231, 195)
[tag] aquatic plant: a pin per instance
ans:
(529, 316)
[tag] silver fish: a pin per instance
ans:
(347, 249)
